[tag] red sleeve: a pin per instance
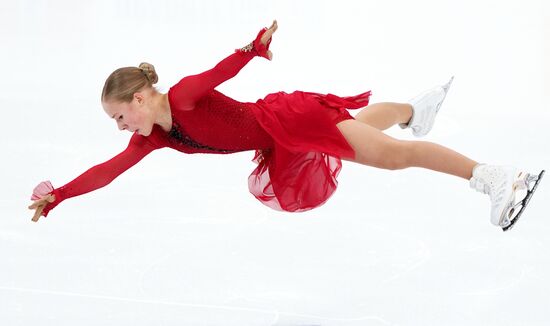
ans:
(191, 88)
(101, 175)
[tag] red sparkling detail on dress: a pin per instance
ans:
(223, 123)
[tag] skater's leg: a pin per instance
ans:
(418, 113)
(384, 115)
(374, 148)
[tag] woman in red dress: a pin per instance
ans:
(299, 138)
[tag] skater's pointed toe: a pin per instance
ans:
(425, 108)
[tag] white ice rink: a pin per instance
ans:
(178, 240)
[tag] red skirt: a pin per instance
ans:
(299, 173)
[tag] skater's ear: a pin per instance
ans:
(139, 97)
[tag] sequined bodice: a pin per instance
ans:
(217, 124)
(179, 137)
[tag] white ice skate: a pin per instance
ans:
(425, 108)
(502, 184)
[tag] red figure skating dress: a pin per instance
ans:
(298, 146)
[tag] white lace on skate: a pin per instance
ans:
(425, 108)
(501, 184)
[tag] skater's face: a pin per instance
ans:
(134, 116)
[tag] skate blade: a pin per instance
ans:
(446, 90)
(523, 203)
(448, 85)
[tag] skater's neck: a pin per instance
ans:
(163, 112)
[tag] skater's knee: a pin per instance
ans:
(396, 162)
(393, 156)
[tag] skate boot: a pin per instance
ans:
(425, 108)
(503, 184)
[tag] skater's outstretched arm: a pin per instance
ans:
(97, 177)
(192, 88)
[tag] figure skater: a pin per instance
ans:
(300, 139)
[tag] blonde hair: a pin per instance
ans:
(124, 82)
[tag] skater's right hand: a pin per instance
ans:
(40, 204)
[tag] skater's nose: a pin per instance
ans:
(122, 126)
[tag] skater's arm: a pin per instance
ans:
(191, 88)
(97, 177)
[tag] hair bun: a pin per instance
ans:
(149, 70)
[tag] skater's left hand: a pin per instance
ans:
(267, 36)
